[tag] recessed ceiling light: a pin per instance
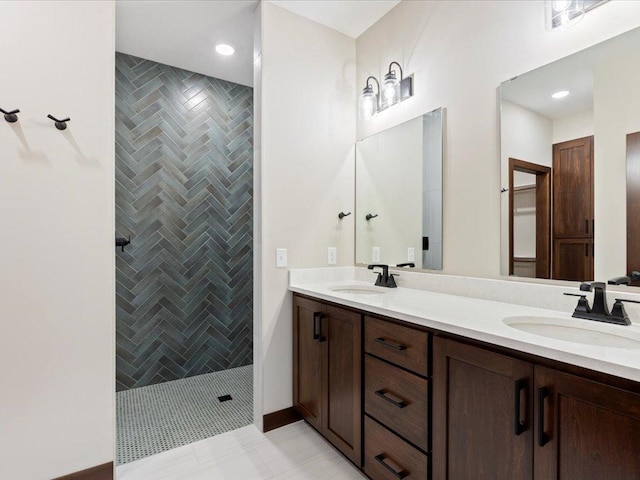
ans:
(224, 49)
(560, 94)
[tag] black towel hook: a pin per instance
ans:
(369, 216)
(11, 116)
(60, 124)
(341, 215)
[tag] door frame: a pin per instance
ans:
(543, 214)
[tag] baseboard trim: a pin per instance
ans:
(100, 472)
(278, 419)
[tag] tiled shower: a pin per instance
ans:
(184, 179)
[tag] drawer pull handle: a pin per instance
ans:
(398, 474)
(397, 346)
(519, 426)
(383, 394)
(317, 326)
(543, 438)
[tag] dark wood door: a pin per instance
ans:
(633, 204)
(573, 188)
(573, 259)
(307, 360)
(342, 381)
(589, 431)
(480, 429)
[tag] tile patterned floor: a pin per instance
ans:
(161, 417)
(294, 452)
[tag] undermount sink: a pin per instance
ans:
(360, 290)
(586, 332)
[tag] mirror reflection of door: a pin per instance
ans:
(633, 205)
(530, 219)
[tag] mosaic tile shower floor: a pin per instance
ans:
(161, 417)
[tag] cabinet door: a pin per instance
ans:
(573, 188)
(342, 381)
(307, 360)
(573, 259)
(585, 430)
(482, 414)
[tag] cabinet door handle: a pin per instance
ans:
(383, 394)
(586, 226)
(397, 346)
(316, 316)
(586, 249)
(543, 438)
(519, 426)
(398, 474)
(317, 326)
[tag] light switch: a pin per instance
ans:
(332, 256)
(375, 254)
(411, 254)
(281, 257)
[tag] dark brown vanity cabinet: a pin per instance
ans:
(499, 418)
(327, 372)
(396, 400)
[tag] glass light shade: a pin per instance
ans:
(562, 14)
(390, 90)
(368, 104)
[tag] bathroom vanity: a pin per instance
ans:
(416, 384)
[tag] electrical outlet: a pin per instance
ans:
(411, 254)
(375, 254)
(281, 257)
(332, 256)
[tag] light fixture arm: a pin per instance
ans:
(399, 67)
(377, 83)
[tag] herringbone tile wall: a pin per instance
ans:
(184, 179)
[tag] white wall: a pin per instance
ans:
(307, 170)
(57, 256)
(616, 103)
(574, 126)
(459, 53)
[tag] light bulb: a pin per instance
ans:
(560, 5)
(368, 104)
(560, 94)
(225, 50)
(390, 89)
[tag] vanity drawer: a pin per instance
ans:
(398, 399)
(398, 344)
(388, 457)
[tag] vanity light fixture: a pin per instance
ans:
(368, 105)
(560, 94)
(394, 90)
(562, 14)
(225, 50)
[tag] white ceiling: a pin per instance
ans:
(574, 73)
(351, 17)
(183, 33)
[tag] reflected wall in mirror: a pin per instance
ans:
(568, 178)
(399, 194)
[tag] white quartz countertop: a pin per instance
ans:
(483, 320)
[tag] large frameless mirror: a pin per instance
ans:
(399, 194)
(570, 166)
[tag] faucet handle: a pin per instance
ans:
(619, 312)
(583, 303)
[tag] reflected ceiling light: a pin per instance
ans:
(394, 90)
(224, 49)
(562, 14)
(560, 94)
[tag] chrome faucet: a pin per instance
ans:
(600, 310)
(384, 278)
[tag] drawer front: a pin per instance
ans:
(398, 344)
(398, 399)
(388, 457)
